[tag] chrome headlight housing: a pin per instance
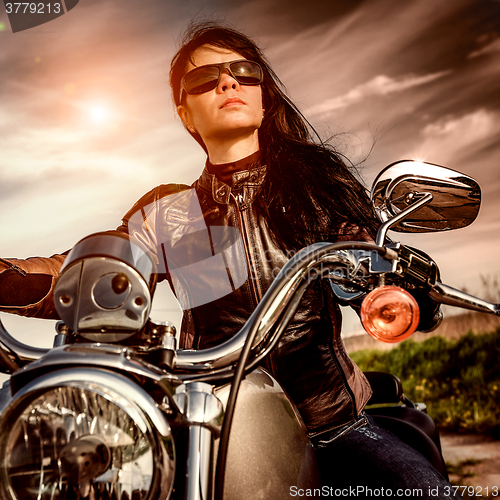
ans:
(104, 289)
(85, 433)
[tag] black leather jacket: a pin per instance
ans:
(194, 229)
(197, 231)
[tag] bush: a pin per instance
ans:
(459, 381)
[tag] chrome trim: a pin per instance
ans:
(124, 393)
(197, 402)
(22, 353)
(203, 413)
(382, 231)
(97, 356)
(200, 462)
(456, 197)
(445, 294)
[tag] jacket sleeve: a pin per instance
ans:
(26, 285)
(147, 220)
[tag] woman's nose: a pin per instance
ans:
(227, 82)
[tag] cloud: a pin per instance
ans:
(447, 136)
(491, 47)
(470, 127)
(380, 85)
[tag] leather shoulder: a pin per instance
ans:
(155, 194)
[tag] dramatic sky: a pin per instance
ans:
(87, 126)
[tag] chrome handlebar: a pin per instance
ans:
(279, 303)
(14, 354)
(281, 299)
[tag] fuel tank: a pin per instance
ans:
(270, 455)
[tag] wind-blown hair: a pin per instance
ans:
(306, 182)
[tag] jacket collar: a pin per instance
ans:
(221, 192)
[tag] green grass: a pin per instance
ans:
(461, 469)
(459, 381)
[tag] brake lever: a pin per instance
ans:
(448, 295)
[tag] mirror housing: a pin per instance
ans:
(454, 198)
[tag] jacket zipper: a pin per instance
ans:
(243, 222)
(255, 288)
(333, 354)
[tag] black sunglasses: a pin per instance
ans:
(207, 77)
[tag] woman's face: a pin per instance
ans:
(227, 113)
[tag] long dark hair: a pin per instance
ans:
(309, 192)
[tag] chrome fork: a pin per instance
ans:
(203, 413)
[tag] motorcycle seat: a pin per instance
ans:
(401, 416)
(387, 388)
(388, 391)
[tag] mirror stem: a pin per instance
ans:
(382, 232)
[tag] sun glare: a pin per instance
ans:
(99, 114)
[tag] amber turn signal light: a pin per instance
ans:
(390, 314)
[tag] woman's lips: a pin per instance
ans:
(232, 101)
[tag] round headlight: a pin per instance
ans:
(103, 439)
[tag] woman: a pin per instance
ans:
(266, 191)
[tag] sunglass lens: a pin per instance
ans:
(205, 78)
(247, 72)
(202, 80)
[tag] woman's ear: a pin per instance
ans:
(184, 116)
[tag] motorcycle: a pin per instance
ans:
(116, 411)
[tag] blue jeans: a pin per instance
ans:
(362, 460)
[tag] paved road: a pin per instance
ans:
(486, 472)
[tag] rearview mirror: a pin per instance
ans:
(454, 198)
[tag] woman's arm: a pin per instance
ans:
(26, 285)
